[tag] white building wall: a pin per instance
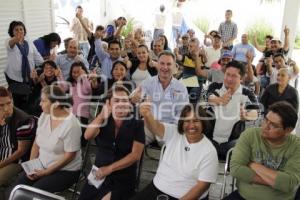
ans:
(37, 15)
(290, 19)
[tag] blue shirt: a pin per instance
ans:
(239, 52)
(41, 47)
(64, 62)
(168, 103)
(104, 58)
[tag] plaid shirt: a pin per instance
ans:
(228, 30)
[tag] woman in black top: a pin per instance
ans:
(120, 139)
(47, 75)
(100, 86)
(280, 91)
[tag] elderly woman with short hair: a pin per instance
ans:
(57, 144)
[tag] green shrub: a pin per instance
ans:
(202, 24)
(297, 40)
(261, 29)
(128, 28)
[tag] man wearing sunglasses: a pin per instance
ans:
(266, 160)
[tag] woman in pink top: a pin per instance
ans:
(80, 89)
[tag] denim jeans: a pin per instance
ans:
(85, 48)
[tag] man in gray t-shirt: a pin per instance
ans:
(214, 75)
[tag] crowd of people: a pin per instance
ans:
(125, 95)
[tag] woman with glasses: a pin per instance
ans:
(189, 163)
(120, 139)
(280, 91)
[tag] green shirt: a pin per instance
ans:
(285, 159)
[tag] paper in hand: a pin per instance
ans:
(31, 165)
(92, 178)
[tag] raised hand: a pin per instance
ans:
(249, 56)
(34, 74)
(93, 75)
(136, 95)
(106, 111)
(243, 112)
(145, 108)
(286, 30)
(226, 97)
(58, 72)
(269, 61)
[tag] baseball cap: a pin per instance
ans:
(217, 35)
(276, 39)
(185, 36)
(226, 54)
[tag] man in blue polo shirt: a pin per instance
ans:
(167, 94)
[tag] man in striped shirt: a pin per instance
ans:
(16, 134)
(228, 30)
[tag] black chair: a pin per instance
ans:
(24, 192)
(153, 145)
(297, 197)
(83, 174)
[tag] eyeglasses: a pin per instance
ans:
(270, 124)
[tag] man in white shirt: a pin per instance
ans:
(213, 53)
(159, 22)
(229, 100)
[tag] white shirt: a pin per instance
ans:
(228, 115)
(212, 55)
(14, 60)
(184, 164)
(139, 75)
(177, 17)
(54, 143)
(160, 21)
